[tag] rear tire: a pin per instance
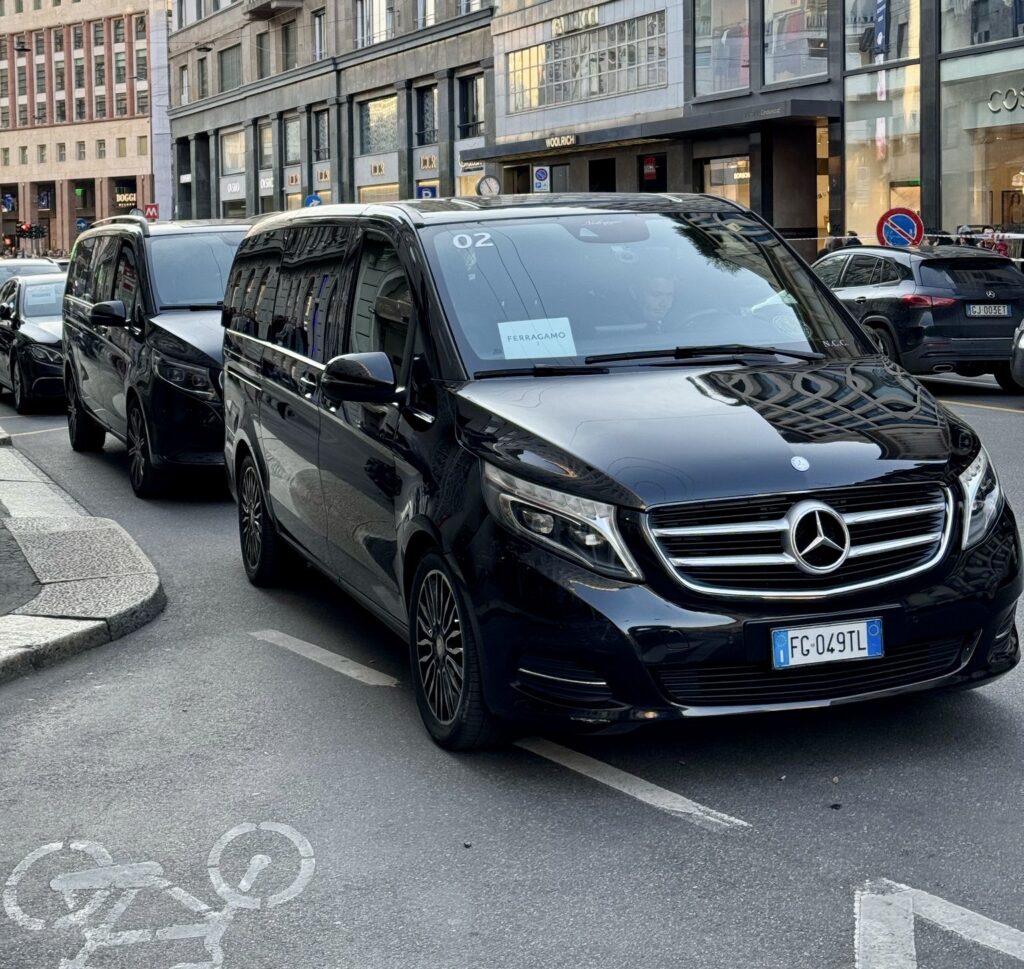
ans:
(83, 431)
(445, 661)
(1006, 380)
(885, 343)
(146, 479)
(22, 403)
(264, 553)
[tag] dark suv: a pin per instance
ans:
(933, 310)
(605, 459)
(142, 342)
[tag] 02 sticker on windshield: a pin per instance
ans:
(97, 893)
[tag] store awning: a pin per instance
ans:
(695, 122)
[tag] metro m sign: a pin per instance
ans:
(152, 211)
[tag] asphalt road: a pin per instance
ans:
(397, 854)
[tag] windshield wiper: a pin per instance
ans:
(540, 370)
(718, 350)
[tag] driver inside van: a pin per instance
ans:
(654, 297)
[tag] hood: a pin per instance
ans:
(43, 330)
(192, 337)
(654, 435)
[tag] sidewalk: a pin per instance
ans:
(70, 581)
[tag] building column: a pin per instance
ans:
(278, 125)
(182, 190)
(346, 149)
(403, 89)
(196, 182)
(762, 174)
(306, 149)
(213, 149)
(931, 121)
(252, 177)
(836, 179)
(489, 120)
(335, 107)
(447, 165)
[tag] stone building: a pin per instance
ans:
(83, 121)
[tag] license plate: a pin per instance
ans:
(831, 643)
(988, 309)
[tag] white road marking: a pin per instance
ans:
(325, 657)
(45, 430)
(631, 785)
(968, 403)
(884, 913)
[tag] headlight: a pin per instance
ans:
(579, 528)
(45, 354)
(982, 498)
(185, 376)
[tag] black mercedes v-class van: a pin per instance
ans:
(142, 342)
(605, 460)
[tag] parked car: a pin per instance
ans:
(605, 460)
(941, 310)
(31, 363)
(142, 341)
(26, 267)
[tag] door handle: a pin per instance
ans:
(309, 383)
(861, 299)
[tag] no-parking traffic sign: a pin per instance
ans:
(900, 228)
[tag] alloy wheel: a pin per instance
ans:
(250, 511)
(439, 649)
(72, 409)
(136, 448)
(17, 388)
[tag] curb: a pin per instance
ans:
(96, 584)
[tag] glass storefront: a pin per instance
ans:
(728, 178)
(465, 185)
(721, 46)
(982, 127)
(795, 39)
(293, 200)
(232, 153)
(379, 193)
(234, 209)
(878, 31)
(967, 23)
(378, 126)
(882, 146)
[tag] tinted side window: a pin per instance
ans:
(126, 282)
(80, 270)
(861, 271)
(829, 269)
(104, 266)
(890, 272)
(7, 295)
(382, 305)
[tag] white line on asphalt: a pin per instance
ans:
(325, 657)
(967, 403)
(633, 786)
(884, 919)
(45, 430)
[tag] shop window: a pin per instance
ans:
(321, 136)
(426, 115)
(232, 153)
(795, 39)
(559, 178)
(615, 59)
(379, 193)
(882, 145)
(652, 173)
(982, 155)
(967, 23)
(878, 31)
(378, 125)
(471, 106)
(292, 142)
(721, 46)
(602, 175)
(266, 146)
(728, 178)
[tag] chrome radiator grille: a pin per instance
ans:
(745, 546)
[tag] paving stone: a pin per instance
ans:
(32, 499)
(32, 642)
(13, 467)
(122, 601)
(91, 553)
(51, 524)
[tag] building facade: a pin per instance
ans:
(84, 132)
(277, 101)
(819, 114)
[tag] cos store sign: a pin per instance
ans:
(1008, 100)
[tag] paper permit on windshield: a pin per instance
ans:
(42, 295)
(537, 338)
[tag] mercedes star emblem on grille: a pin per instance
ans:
(817, 539)
(990, 293)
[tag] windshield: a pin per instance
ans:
(192, 270)
(40, 301)
(545, 291)
(15, 267)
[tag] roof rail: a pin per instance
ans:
(138, 220)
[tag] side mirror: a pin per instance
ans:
(5, 312)
(364, 377)
(109, 313)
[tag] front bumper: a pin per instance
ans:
(562, 644)
(184, 429)
(42, 379)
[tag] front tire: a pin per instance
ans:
(85, 434)
(1005, 378)
(885, 343)
(446, 661)
(146, 480)
(263, 550)
(19, 392)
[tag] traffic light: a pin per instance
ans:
(24, 229)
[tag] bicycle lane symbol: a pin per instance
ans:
(98, 896)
